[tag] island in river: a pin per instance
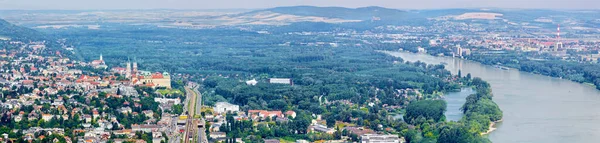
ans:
(537, 109)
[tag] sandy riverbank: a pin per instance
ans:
(491, 128)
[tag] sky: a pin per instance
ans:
(259, 4)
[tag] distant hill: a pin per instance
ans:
(362, 18)
(23, 34)
(15, 32)
(363, 13)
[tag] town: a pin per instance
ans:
(54, 95)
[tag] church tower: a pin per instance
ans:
(135, 68)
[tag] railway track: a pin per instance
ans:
(192, 129)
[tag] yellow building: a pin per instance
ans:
(145, 78)
(153, 79)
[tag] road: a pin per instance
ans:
(201, 131)
(173, 131)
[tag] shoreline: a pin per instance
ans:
(584, 83)
(492, 125)
(492, 128)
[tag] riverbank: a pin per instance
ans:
(529, 100)
(491, 128)
(518, 67)
(479, 101)
(580, 72)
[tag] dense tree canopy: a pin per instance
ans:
(352, 83)
(428, 109)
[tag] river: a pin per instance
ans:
(537, 109)
(454, 101)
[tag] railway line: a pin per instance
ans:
(194, 128)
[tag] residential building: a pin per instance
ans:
(321, 128)
(224, 107)
(47, 117)
(359, 130)
(218, 135)
(264, 114)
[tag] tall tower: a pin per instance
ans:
(558, 32)
(559, 44)
(135, 68)
(101, 57)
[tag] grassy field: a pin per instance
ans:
(169, 91)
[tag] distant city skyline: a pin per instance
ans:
(261, 4)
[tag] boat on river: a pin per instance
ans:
(502, 67)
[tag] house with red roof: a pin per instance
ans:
(264, 114)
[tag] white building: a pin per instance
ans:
(458, 51)
(281, 81)
(251, 82)
(224, 107)
(47, 117)
(376, 138)
(175, 101)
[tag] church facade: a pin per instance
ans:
(145, 78)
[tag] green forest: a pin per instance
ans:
(350, 83)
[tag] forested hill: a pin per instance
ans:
(15, 32)
(26, 35)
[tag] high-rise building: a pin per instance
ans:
(458, 51)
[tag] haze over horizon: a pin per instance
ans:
(260, 4)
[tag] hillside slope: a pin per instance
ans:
(15, 32)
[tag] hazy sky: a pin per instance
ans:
(255, 4)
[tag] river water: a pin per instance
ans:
(454, 101)
(537, 109)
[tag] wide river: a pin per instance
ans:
(537, 109)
